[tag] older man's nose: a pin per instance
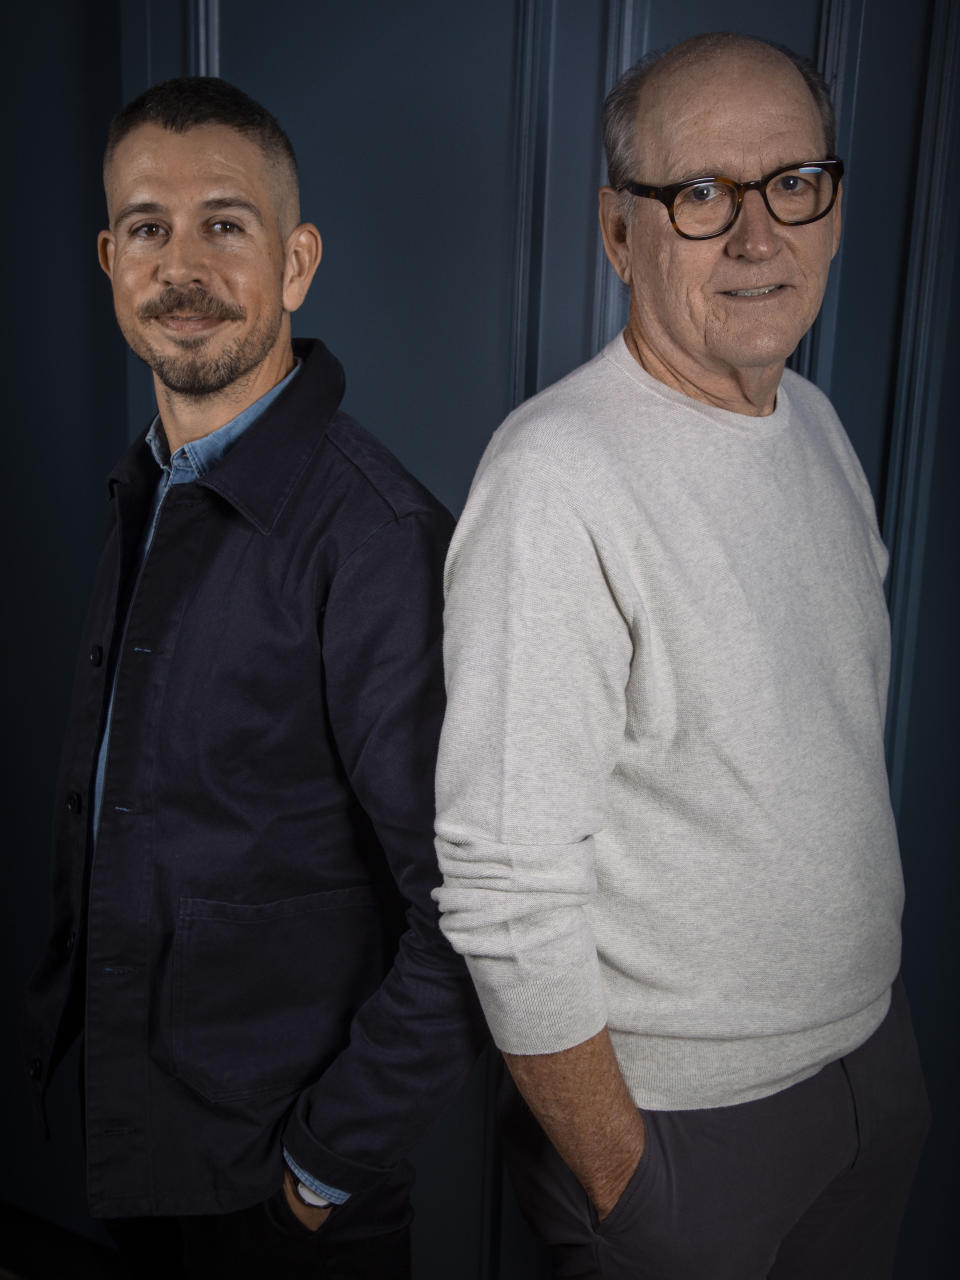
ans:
(755, 234)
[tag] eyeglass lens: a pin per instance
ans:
(798, 195)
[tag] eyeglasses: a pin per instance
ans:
(705, 207)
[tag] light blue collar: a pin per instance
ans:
(197, 457)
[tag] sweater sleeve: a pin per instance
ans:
(537, 654)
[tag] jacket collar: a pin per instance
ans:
(261, 470)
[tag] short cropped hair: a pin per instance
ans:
(620, 106)
(188, 101)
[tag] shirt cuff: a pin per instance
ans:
(320, 1188)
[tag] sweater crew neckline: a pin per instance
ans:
(619, 353)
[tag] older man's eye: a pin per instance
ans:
(224, 227)
(146, 230)
(703, 192)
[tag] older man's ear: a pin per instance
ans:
(615, 231)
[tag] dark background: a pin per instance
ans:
(450, 156)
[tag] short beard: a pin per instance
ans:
(195, 376)
(190, 373)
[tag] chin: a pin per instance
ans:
(756, 355)
(763, 344)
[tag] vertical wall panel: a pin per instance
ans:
(921, 526)
(877, 233)
(64, 425)
(921, 368)
(567, 231)
(451, 156)
(402, 116)
(627, 39)
(837, 59)
(929, 823)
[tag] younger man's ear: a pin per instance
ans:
(303, 250)
(106, 246)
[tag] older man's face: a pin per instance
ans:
(738, 117)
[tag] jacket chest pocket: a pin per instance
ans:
(263, 995)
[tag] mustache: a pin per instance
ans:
(195, 301)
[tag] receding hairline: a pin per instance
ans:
(622, 114)
(715, 48)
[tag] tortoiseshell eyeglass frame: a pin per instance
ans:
(668, 195)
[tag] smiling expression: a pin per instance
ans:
(196, 256)
(715, 317)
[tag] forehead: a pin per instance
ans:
(156, 163)
(738, 114)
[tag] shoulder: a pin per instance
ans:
(373, 487)
(807, 396)
(591, 433)
(576, 429)
(811, 408)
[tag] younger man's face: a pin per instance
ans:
(195, 253)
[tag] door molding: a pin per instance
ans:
(202, 29)
(627, 39)
(838, 61)
(920, 380)
(534, 28)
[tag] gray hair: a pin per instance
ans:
(620, 106)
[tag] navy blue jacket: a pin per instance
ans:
(252, 953)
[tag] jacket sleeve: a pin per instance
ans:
(537, 656)
(412, 1043)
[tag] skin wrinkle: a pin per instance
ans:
(682, 328)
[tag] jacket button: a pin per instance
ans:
(36, 1069)
(70, 941)
(96, 655)
(74, 803)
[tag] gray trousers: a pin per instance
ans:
(808, 1184)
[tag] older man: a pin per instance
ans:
(663, 813)
(242, 926)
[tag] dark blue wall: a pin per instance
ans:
(65, 424)
(450, 157)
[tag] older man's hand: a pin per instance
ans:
(579, 1097)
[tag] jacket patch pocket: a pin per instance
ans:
(263, 995)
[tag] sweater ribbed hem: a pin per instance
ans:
(672, 1073)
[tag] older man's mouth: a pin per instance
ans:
(753, 293)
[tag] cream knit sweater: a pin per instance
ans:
(662, 800)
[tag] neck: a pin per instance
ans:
(187, 418)
(751, 391)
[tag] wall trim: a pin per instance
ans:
(203, 37)
(534, 38)
(838, 61)
(930, 278)
(627, 24)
